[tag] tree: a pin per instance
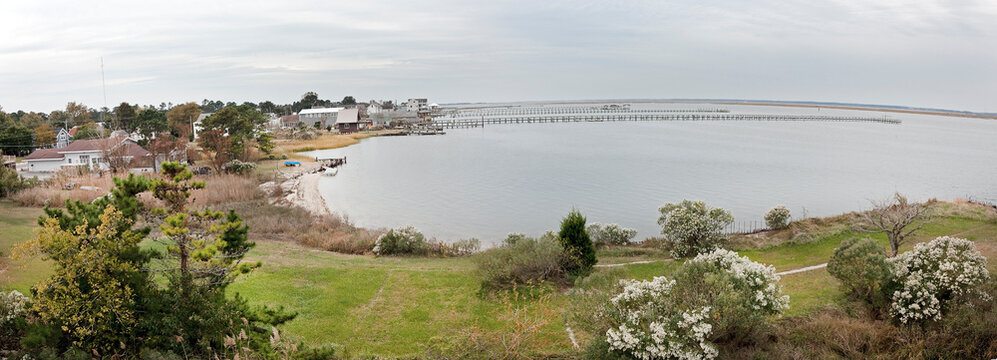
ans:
(348, 100)
(88, 131)
(168, 146)
(242, 125)
(897, 217)
(577, 244)
(16, 140)
(97, 269)
(32, 120)
(44, 135)
(268, 107)
(217, 148)
(181, 118)
(692, 227)
(124, 118)
(59, 119)
(151, 121)
(76, 114)
(204, 251)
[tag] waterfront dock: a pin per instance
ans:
(463, 121)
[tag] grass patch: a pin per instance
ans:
(17, 225)
(396, 306)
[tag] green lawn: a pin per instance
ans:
(391, 306)
(17, 225)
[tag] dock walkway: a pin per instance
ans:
(482, 120)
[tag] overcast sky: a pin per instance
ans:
(917, 53)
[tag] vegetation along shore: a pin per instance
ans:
(367, 293)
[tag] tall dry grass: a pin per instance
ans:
(290, 223)
(226, 188)
(52, 192)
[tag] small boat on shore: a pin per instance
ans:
(329, 171)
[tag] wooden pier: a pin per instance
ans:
(331, 162)
(574, 110)
(482, 120)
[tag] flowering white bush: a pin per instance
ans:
(761, 279)
(611, 234)
(676, 319)
(652, 329)
(11, 306)
(933, 274)
(777, 217)
(406, 240)
(692, 227)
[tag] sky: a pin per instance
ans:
(926, 53)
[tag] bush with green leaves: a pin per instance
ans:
(934, 275)
(692, 227)
(577, 244)
(401, 241)
(12, 182)
(521, 261)
(715, 298)
(862, 268)
(777, 217)
(611, 234)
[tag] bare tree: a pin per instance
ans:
(114, 154)
(897, 217)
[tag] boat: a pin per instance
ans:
(330, 171)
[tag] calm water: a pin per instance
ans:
(487, 182)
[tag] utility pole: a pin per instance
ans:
(103, 85)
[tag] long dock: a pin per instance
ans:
(575, 110)
(482, 120)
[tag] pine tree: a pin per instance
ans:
(577, 244)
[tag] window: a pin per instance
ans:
(84, 159)
(69, 160)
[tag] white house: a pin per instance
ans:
(374, 108)
(324, 117)
(414, 105)
(197, 123)
(92, 153)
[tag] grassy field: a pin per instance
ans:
(389, 306)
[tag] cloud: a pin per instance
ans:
(926, 53)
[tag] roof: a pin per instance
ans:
(44, 154)
(320, 111)
(348, 116)
(131, 148)
(88, 145)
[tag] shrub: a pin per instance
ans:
(611, 234)
(577, 244)
(718, 297)
(525, 261)
(861, 266)
(240, 167)
(777, 218)
(11, 182)
(929, 277)
(12, 319)
(406, 240)
(692, 227)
